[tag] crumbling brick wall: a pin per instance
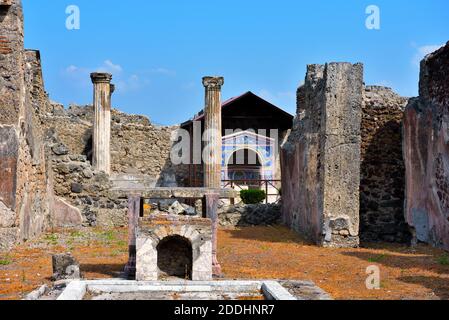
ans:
(321, 159)
(25, 195)
(382, 186)
(426, 152)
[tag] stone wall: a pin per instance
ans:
(241, 215)
(382, 187)
(321, 159)
(140, 151)
(426, 152)
(137, 146)
(26, 198)
(85, 190)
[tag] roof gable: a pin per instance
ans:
(237, 102)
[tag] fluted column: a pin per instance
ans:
(212, 131)
(103, 89)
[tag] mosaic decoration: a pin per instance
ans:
(263, 146)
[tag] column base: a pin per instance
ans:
(216, 271)
(130, 270)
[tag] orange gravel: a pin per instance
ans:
(246, 253)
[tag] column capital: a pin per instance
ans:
(213, 82)
(100, 77)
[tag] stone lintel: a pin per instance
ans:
(167, 193)
(173, 220)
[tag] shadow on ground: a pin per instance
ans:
(273, 234)
(439, 286)
(403, 260)
(109, 270)
(426, 262)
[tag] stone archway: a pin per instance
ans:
(244, 165)
(175, 257)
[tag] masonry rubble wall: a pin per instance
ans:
(382, 186)
(426, 153)
(140, 151)
(242, 215)
(25, 196)
(321, 158)
(137, 146)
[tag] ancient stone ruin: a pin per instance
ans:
(321, 159)
(174, 246)
(26, 187)
(426, 152)
(355, 157)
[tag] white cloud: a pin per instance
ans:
(269, 96)
(163, 71)
(424, 51)
(109, 66)
(71, 69)
(106, 66)
(80, 76)
(132, 83)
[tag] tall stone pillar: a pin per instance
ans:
(212, 130)
(133, 220)
(103, 89)
(210, 203)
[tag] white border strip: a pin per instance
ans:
(76, 290)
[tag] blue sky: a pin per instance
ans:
(159, 50)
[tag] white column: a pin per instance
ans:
(212, 128)
(103, 89)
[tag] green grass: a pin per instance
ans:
(122, 243)
(377, 259)
(5, 262)
(76, 234)
(109, 236)
(116, 253)
(52, 238)
(443, 260)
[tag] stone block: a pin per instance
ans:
(66, 215)
(65, 266)
(76, 187)
(7, 216)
